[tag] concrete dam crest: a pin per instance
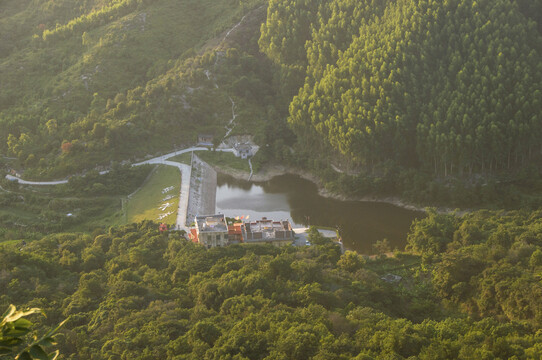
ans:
(202, 196)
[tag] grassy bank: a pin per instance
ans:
(224, 160)
(185, 158)
(152, 202)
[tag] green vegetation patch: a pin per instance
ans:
(158, 199)
(84, 204)
(185, 158)
(225, 160)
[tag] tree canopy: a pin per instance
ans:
(132, 292)
(449, 87)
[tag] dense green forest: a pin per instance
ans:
(133, 293)
(450, 88)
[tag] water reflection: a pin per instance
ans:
(293, 198)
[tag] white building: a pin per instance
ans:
(211, 230)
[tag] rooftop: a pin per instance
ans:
(269, 230)
(211, 223)
(267, 225)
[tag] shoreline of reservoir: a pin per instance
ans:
(296, 199)
(272, 171)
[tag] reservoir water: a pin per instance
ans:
(293, 198)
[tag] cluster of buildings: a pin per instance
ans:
(213, 230)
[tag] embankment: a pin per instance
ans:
(202, 197)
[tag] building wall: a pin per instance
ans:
(275, 242)
(213, 239)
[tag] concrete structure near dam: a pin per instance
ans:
(213, 230)
(202, 195)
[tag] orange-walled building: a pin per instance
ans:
(236, 233)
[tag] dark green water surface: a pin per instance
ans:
(293, 198)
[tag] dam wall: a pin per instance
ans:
(202, 196)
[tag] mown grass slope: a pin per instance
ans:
(152, 201)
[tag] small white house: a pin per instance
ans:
(244, 151)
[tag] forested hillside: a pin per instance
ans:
(376, 88)
(133, 293)
(447, 87)
(84, 82)
(433, 100)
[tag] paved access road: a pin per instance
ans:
(156, 160)
(183, 168)
(24, 182)
(57, 182)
